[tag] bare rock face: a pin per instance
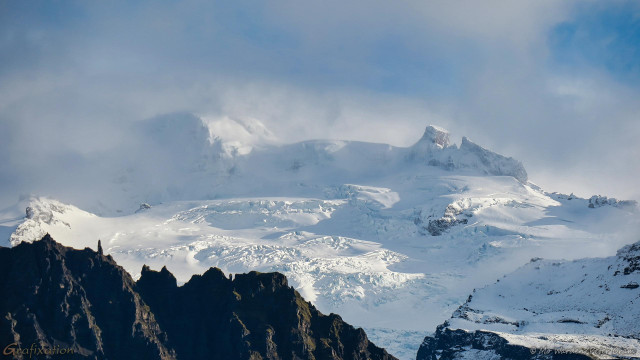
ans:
(57, 297)
(628, 259)
(448, 344)
(437, 136)
(83, 303)
(253, 316)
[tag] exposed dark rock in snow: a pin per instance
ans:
(598, 201)
(447, 344)
(143, 207)
(588, 312)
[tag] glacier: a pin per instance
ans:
(392, 238)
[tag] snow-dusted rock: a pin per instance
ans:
(586, 307)
(435, 136)
(143, 207)
(598, 201)
(434, 149)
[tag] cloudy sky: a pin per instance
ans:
(555, 84)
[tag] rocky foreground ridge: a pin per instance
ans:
(582, 309)
(81, 304)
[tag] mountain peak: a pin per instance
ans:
(435, 149)
(238, 136)
(436, 135)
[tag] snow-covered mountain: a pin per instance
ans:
(547, 307)
(393, 239)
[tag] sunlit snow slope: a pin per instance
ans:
(586, 306)
(393, 239)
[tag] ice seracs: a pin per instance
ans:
(358, 249)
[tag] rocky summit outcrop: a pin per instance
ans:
(79, 304)
(434, 149)
(436, 137)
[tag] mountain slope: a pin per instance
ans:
(587, 307)
(392, 238)
(81, 302)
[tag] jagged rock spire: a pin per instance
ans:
(100, 247)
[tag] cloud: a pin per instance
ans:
(74, 75)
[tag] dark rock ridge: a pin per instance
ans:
(54, 296)
(253, 316)
(81, 304)
(448, 344)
